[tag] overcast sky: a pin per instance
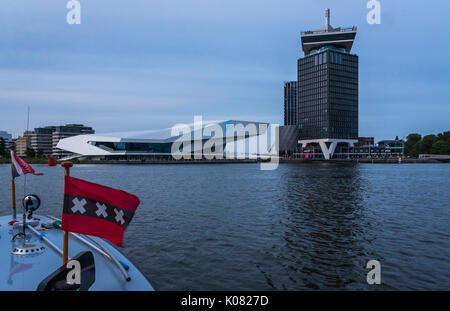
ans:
(139, 65)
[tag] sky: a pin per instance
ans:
(135, 65)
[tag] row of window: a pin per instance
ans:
(343, 99)
(342, 91)
(313, 74)
(317, 89)
(340, 84)
(342, 75)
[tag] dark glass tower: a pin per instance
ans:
(328, 84)
(290, 103)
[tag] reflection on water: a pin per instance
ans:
(300, 227)
(323, 228)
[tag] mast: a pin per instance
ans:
(28, 125)
(327, 18)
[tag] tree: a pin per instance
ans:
(30, 153)
(2, 147)
(427, 143)
(444, 136)
(438, 147)
(412, 144)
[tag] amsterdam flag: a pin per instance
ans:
(97, 210)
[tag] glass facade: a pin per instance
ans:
(328, 95)
(290, 103)
(133, 147)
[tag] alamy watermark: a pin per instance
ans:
(374, 15)
(227, 140)
(74, 275)
(374, 275)
(74, 14)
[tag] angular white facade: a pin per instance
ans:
(160, 142)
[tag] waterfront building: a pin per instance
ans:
(6, 136)
(394, 146)
(42, 141)
(441, 157)
(288, 138)
(65, 131)
(328, 89)
(12, 143)
(6, 139)
(23, 143)
(384, 149)
(290, 103)
(157, 144)
(365, 141)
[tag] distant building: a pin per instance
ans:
(365, 141)
(12, 143)
(42, 141)
(23, 143)
(65, 131)
(435, 156)
(394, 147)
(328, 89)
(6, 136)
(290, 103)
(288, 138)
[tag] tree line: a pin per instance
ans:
(430, 144)
(4, 151)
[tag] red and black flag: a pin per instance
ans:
(97, 210)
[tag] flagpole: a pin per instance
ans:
(26, 147)
(13, 186)
(67, 166)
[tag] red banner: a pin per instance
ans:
(97, 210)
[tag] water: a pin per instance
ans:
(300, 227)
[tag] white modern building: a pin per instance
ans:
(64, 131)
(198, 140)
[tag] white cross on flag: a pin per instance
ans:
(97, 210)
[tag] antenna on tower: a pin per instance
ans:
(327, 18)
(327, 21)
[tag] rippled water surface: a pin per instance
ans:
(300, 227)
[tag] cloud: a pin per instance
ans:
(145, 64)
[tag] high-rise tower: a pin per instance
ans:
(328, 88)
(290, 103)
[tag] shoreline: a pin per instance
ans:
(239, 161)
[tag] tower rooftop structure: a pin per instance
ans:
(340, 38)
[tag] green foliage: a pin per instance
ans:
(412, 144)
(444, 136)
(429, 144)
(30, 153)
(2, 147)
